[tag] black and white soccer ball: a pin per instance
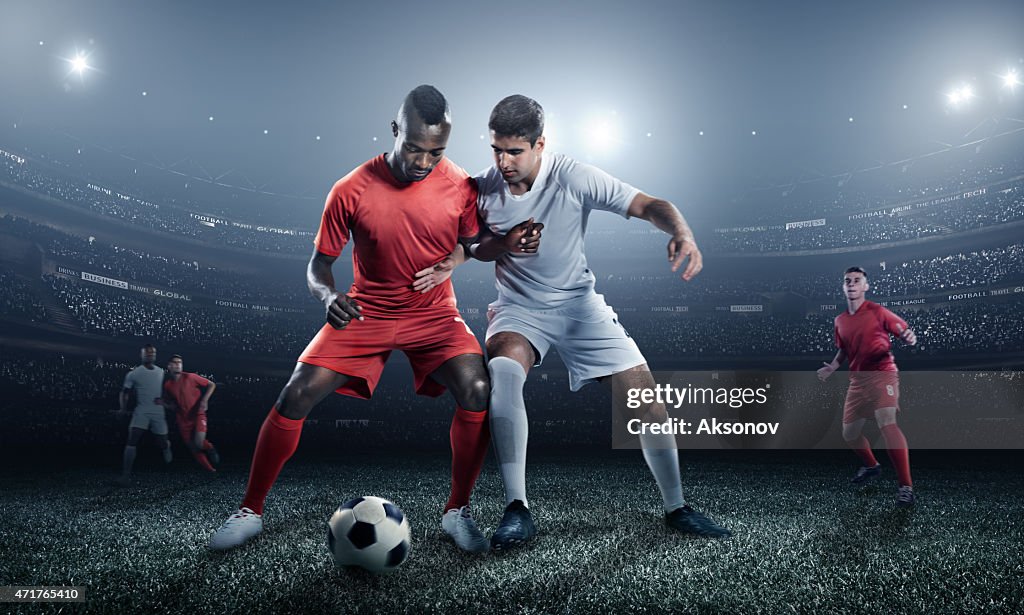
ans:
(369, 532)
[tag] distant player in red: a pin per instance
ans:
(405, 211)
(189, 394)
(862, 336)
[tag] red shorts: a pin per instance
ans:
(870, 391)
(427, 337)
(190, 424)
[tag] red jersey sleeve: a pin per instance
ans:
(469, 225)
(835, 334)
(892, 323)
(198, 380)
(334, 228)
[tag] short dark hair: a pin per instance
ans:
(859, 270)
(518, 116)
(175, 356)
(149, 345)
(430, 104)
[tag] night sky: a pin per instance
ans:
(657, 73)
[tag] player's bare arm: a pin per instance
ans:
(666, 217)
(340, 308)
(523, 238)
(207, 393)
(827, 368)
(907, 335)
(122, 399)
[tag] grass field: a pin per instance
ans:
(803, 542)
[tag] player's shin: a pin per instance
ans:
(470, 436)
(896, 442)
(509, 425)
(278, 439)
(662, 458)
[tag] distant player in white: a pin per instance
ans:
(547, 299)
(147, 383)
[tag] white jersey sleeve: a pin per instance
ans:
(596, 189)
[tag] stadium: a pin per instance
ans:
(157, 192)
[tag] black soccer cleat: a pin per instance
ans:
(905, 497)
(515, 529)
(865, 474)
(688, 521)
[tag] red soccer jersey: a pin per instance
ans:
(186, 391)
(864, 335)
(398, 229)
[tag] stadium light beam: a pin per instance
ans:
(1011, 80)
(602, 134)
(79, 64)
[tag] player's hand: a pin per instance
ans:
(121, 413)
(524, 238)
(908, 336)
(341, 309)
(826, 371)
(158, 401)
(679, 248)
(432, 277)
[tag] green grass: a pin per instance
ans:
(803, 542)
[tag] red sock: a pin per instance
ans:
(862, 447)
(470, 436)
(278, 439)
(200, 457)
(896, 442)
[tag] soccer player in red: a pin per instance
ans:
(404, 210)
(189, 394)
(862, 336)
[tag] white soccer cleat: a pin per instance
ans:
(459, 524)
(237, 530)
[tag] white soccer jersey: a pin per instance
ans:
(561, 198)
(148, 385)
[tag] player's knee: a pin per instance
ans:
(851, 433)
(655, 413)
(474, 394)
(296, 401)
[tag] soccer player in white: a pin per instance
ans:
(147, 380)
(547, 298)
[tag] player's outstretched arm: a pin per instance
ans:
(666, 217)
(826, 370)
(523, 238)
(340, 307)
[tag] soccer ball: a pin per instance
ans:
(369, 532)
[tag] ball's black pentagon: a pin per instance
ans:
(350, 504)
(393, 512)
(330, 538)
(362, 535)
(397, 555)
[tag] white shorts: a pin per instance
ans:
(154, 421)
(586, 334)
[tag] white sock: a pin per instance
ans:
(129, 461)
(509, 426)
(663, 459)
(167, 454)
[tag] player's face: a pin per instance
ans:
(418, 147)
(148, 355)
(855, 285)
(517, 160)
(175, 366)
